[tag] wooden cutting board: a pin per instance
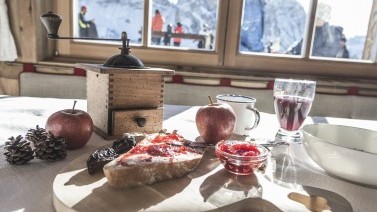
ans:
(208, 188)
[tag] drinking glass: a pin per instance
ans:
(292, 101)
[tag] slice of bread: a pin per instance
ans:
(158, 157)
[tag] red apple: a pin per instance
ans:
(76, 126)
(215, 122)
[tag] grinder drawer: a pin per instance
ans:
(137, 120)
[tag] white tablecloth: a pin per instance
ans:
(29, 187)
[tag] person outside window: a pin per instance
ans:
(343, 51)
(179, 30)
(87, 28)
(326, 36)
(252, 30)
(207, 43)
(157, 25)
(140, 35)
(167, 36)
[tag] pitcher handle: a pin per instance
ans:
(257, 117)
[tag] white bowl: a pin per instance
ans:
(347, 152)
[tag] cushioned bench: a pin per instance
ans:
(52, 85)
(74, 87)
(335, 105)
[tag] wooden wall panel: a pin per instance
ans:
(9, 84)
(28, 31)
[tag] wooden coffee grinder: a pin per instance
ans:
(123, 95)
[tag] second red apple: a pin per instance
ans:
(215, 122)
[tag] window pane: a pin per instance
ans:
(109, 18)
(194, 20)
(273, 26)
(341, 28)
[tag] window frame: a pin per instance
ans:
(283, 64)
(226, 56)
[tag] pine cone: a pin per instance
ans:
(18, 151)
(51, 149)
(36, 135)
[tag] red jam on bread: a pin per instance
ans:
(156, 158)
